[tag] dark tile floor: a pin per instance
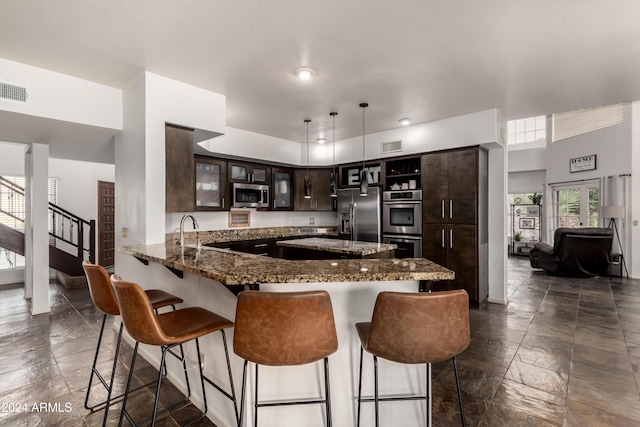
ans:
(563, 352)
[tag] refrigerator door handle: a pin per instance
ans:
(352, 220)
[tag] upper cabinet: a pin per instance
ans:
(248, 172)
(449, 186)
(321, 199)
(281, 189)
(350, 174)
(179, 161)
(211, 184)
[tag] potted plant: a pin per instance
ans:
(517, 236)
(535, 198)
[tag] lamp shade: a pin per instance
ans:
(612, 212)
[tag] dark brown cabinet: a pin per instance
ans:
(320, 192)
(281, 189)
(450, 187)
(211, 184)
(179, 179)
(248, 172)
(455, 186)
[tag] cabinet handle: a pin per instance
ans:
(274, 203)
(260, 245)
(223, 203)
(451, 238)
(442, 238)
(450, 209)
(442, 210)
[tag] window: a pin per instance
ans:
(532, 129)
(12, 214)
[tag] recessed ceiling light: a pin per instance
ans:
(321, 140)
(405, 121)
(305, 73)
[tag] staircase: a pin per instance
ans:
(71, 238)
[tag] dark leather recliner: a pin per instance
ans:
(576, 252)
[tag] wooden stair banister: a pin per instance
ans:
(61, 260)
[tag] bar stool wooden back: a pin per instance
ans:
(414, 328)
(167, 330)
(104, 298)
(284, 329)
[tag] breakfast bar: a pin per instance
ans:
(211, 277)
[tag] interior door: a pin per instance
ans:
(106, 223)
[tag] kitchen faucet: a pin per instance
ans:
(195, 227)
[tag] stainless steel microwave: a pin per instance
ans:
(249, 195)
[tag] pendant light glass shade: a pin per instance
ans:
(307, 178)
(333, 181)
(364, 182)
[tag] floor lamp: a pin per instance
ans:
(613, 213)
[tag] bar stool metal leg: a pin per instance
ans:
(359, 388)
(455, 370)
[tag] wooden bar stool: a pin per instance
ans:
(284, 329)
(414, 328)
(105, 300)
(167, 330)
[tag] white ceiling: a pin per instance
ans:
(423, 59)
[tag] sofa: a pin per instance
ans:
(576, 252)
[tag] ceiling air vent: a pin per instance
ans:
(13, 92)
(390, 147)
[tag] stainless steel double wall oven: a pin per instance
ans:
(402, 221)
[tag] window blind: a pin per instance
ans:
(573, 123)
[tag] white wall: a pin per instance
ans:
(238, 142)
(611, 145)
(62, 97)
(527, 182)
(460, 131)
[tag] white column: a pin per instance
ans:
(498, 225)
(631, 255)
(28, 247)
(37, 236)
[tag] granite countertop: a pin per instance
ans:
(350, 247)
(235, 268)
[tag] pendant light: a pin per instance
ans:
(307, 178)
(333, 182)
(364, 183)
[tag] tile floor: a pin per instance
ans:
(563, 352)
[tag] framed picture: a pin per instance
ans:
(240, 218)
(533, 210)
(527, 223)
(584, 163)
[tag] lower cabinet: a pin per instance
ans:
(456, 247)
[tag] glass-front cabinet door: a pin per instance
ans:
(282, 189)
(211, 184)
(248, 172)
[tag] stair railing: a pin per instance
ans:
(68, 231)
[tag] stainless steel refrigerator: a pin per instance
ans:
(359, 217)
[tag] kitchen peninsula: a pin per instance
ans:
(208, 274)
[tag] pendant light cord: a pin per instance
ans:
(307, 122)
(333, 116)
